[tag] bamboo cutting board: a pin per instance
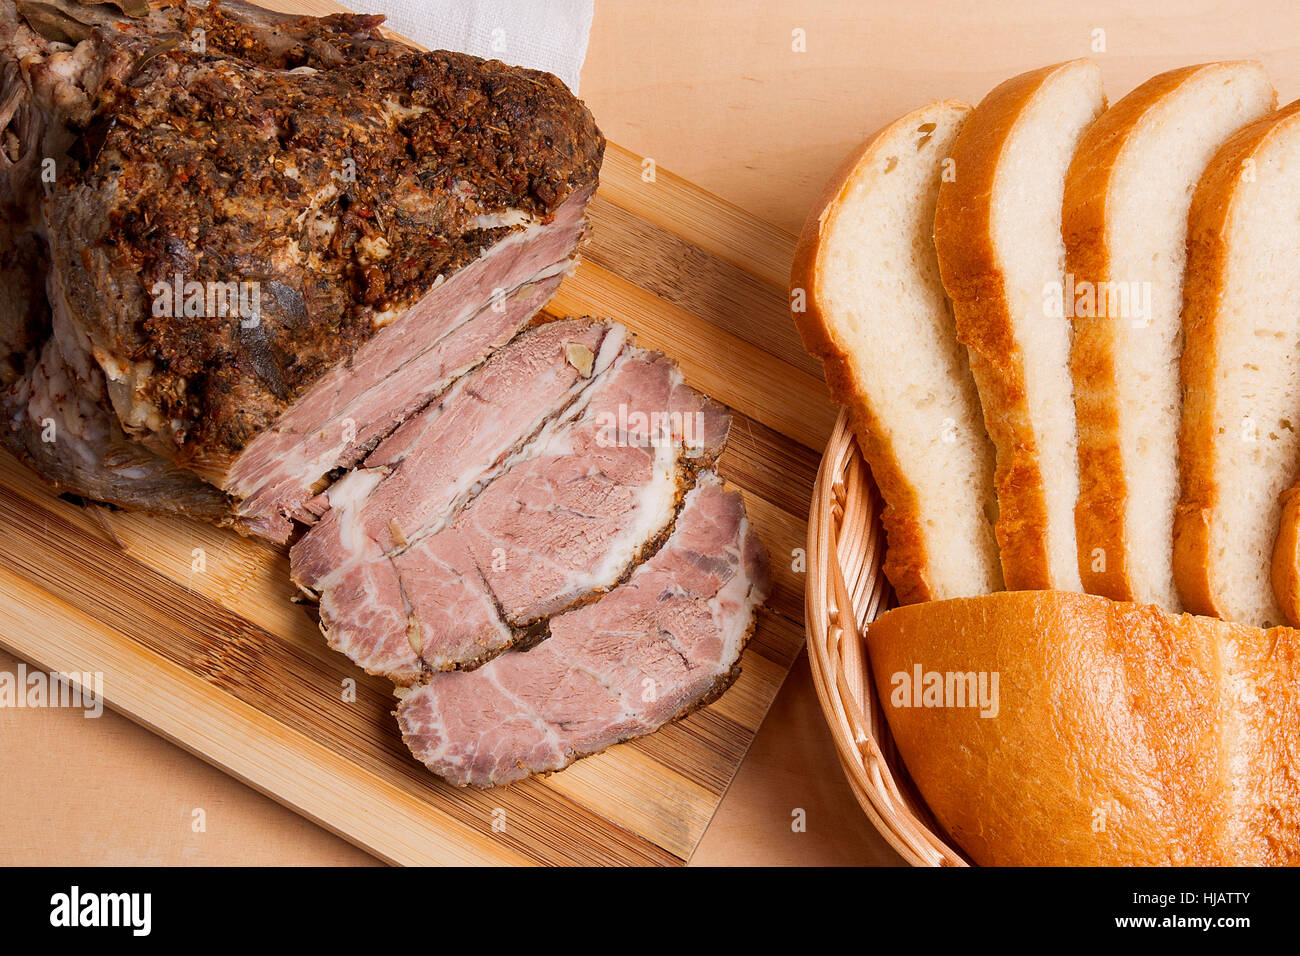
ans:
(196, 636)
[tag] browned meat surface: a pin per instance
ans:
(58, 421)
(378, 199)
(347, 192)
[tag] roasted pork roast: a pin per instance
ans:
(286, 274)
(375, 201)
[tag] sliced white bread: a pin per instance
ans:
(1127, 198)
(998, 232)
(1241, 378)
(868, 302)
(1115, 734)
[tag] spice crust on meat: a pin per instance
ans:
(345, 175)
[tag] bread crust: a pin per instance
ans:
(1285, 570)
(1101, 512)
(971, 268)
(1123, 734)
(1207, 262)
(907, 562)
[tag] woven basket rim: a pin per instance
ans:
(846, 590)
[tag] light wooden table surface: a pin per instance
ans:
(716, 92)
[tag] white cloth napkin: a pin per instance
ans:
(550, 35)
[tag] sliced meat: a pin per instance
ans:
(650, 651)
(573, 520)
(432, 464)
(577, 508)
(341, 419)
(473, 485)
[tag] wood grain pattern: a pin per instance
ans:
(220, 661)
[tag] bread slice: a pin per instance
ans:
(868, 302)
(1119, 734)
(1124, 220)
(997, 228)
(1239, 444)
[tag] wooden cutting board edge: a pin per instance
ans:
(140, 706)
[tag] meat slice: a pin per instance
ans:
(397, 213)
(340, 419)
(571, 521)
(576, 507)
(648, 652)
(420, 477)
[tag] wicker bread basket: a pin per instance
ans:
(846, 590)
